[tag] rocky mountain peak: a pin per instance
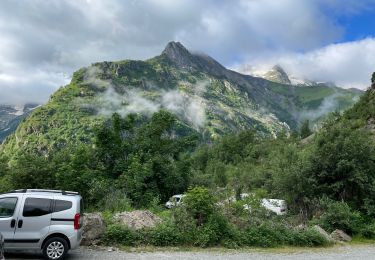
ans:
(277, 74)
(178, 54)
(184, 59)
(175, 47)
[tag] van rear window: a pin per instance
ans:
(61, 205)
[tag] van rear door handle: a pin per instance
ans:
(12, 223)
(20, 222)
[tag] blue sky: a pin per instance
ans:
(43, 42)
(358, 26)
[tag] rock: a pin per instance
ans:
(323, 233)
(93, 228)
(340, 235)
(137, 219)
(301, 226)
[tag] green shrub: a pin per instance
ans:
(216, 230)
(338, 215)
(203, 237)
(120, 234)
(272, 235)
(165, 234)
(185, 224)
(262, 236)
(308, 237)
(200, 204)
(368, 231)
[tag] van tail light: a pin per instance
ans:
(77, 223)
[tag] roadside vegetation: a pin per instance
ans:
(139, 163)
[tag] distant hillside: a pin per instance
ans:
(204, 95)
(362, 114)
(11, 116)
(279, 75)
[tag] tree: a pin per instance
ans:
(144, 156)
(5, 182)
(373, 78)
(30, 171)
(342, 165)
(78, 169)
(305, 129)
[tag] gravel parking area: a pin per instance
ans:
(351, 252)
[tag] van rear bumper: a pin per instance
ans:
(76, 239)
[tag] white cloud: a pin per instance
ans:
(41, 40)
(21, 87)
(347, 64)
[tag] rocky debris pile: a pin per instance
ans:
(137, 219)
(339, 235)
(93, 228)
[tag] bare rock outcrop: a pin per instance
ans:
(93, 228)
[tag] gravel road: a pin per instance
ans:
(351, 252)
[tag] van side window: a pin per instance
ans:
(61, 205)
(35, 207)
(7, 207)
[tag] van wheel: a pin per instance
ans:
(55, 248)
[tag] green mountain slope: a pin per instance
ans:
(362, 114)
(204, 95)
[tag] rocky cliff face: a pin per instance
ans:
(204, 95)
(278, 75)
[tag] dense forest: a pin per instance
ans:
(326, 177)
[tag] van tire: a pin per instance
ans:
(59, 248)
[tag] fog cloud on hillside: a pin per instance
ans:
(328, 105)
(189, 108)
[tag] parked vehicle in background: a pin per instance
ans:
(274, 205)
(279, 207)
(46, 220)
(1, 247)
(174, 201)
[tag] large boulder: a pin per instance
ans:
(323, 233)
(93, 228)
(340, 235)
(137, 219)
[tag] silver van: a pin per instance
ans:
(46, 220)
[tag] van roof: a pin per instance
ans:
(44, 191)
(178, 196)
